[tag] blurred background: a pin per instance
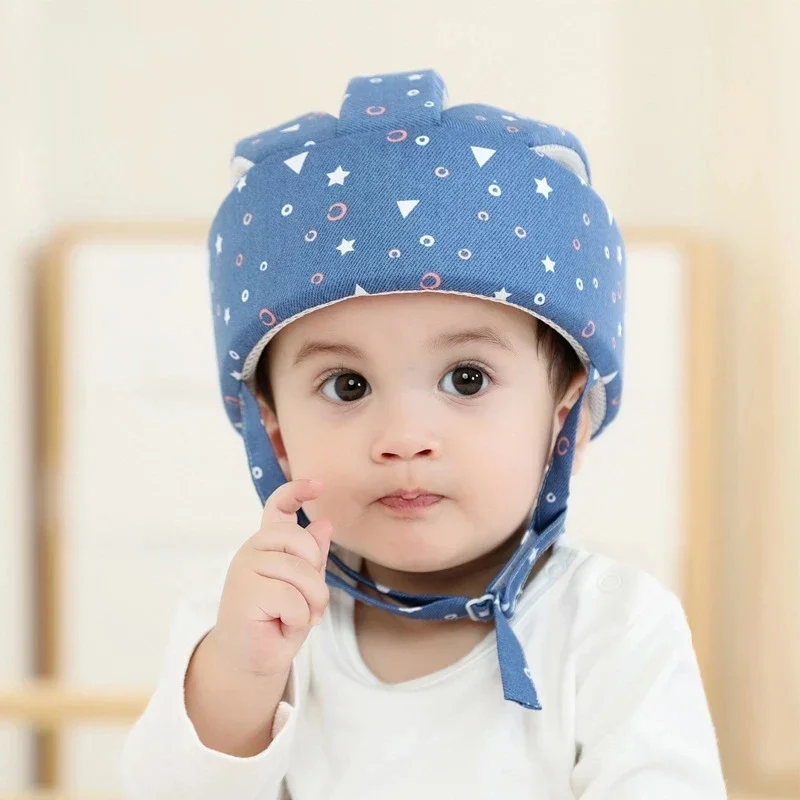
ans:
(116, 124)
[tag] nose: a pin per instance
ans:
(404, 436)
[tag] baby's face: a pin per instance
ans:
(436, 392)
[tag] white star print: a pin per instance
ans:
(337, 176)
(227, 316)
(219, 244)
(549, 266)
(542, 187)
(502, 295)
(242, 183)
(346, 246)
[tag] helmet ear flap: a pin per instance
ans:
(240, 166)
(565, 156)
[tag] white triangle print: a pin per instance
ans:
(406, 206)
(291, 129)
(482, 154)
(360, 290)
(295, 163)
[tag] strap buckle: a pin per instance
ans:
(481, 615)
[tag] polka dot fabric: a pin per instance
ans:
(402, 194)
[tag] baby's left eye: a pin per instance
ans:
(465, 379)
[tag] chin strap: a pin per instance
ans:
(497, 604)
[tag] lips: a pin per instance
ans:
(410, 500)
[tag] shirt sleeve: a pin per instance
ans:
(163, 758)
(643, 726)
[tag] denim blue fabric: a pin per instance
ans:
(402, 194)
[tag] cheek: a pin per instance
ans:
(315, 448)
(508, 450)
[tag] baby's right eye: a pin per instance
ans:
(347, 387)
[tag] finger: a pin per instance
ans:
(279, 600)
(284, 503)
(321, 531)
(298, 573)
(288, 537)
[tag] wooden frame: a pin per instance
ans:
(48, 704)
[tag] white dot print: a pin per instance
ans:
(441, 172)
(579, 284)
(263, 266)
(234, 355)
(539, 299)
(586, 219)
(310, 236)
(464, 254)
(608, 252)
(595, 283)
(394, 253)
(412, 92)
(428, 104)
(422, 140)
(427, 240)
(520, 231)
(451, 616)
(551, 498)
(245, 296)
(483, 216)
(376, 80)
(309, 143)
(258, 473)
(286, 210)
(495, 190)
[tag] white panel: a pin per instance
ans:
(629, 499)
(157, 493)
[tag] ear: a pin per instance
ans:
(584, 431)
(273, 431)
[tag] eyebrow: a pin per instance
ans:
(484, 335)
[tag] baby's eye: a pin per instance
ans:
(466, 380)
(346, 386)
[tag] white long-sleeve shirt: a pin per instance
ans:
(624, 712)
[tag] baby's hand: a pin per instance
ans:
(275, 588)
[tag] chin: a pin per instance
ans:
(413, 549)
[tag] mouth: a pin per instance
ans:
(410, 500)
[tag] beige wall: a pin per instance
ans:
(690, 115)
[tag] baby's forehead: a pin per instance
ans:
(400, 310)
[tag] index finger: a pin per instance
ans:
(284, 503)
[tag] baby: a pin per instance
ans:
(419, 322)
